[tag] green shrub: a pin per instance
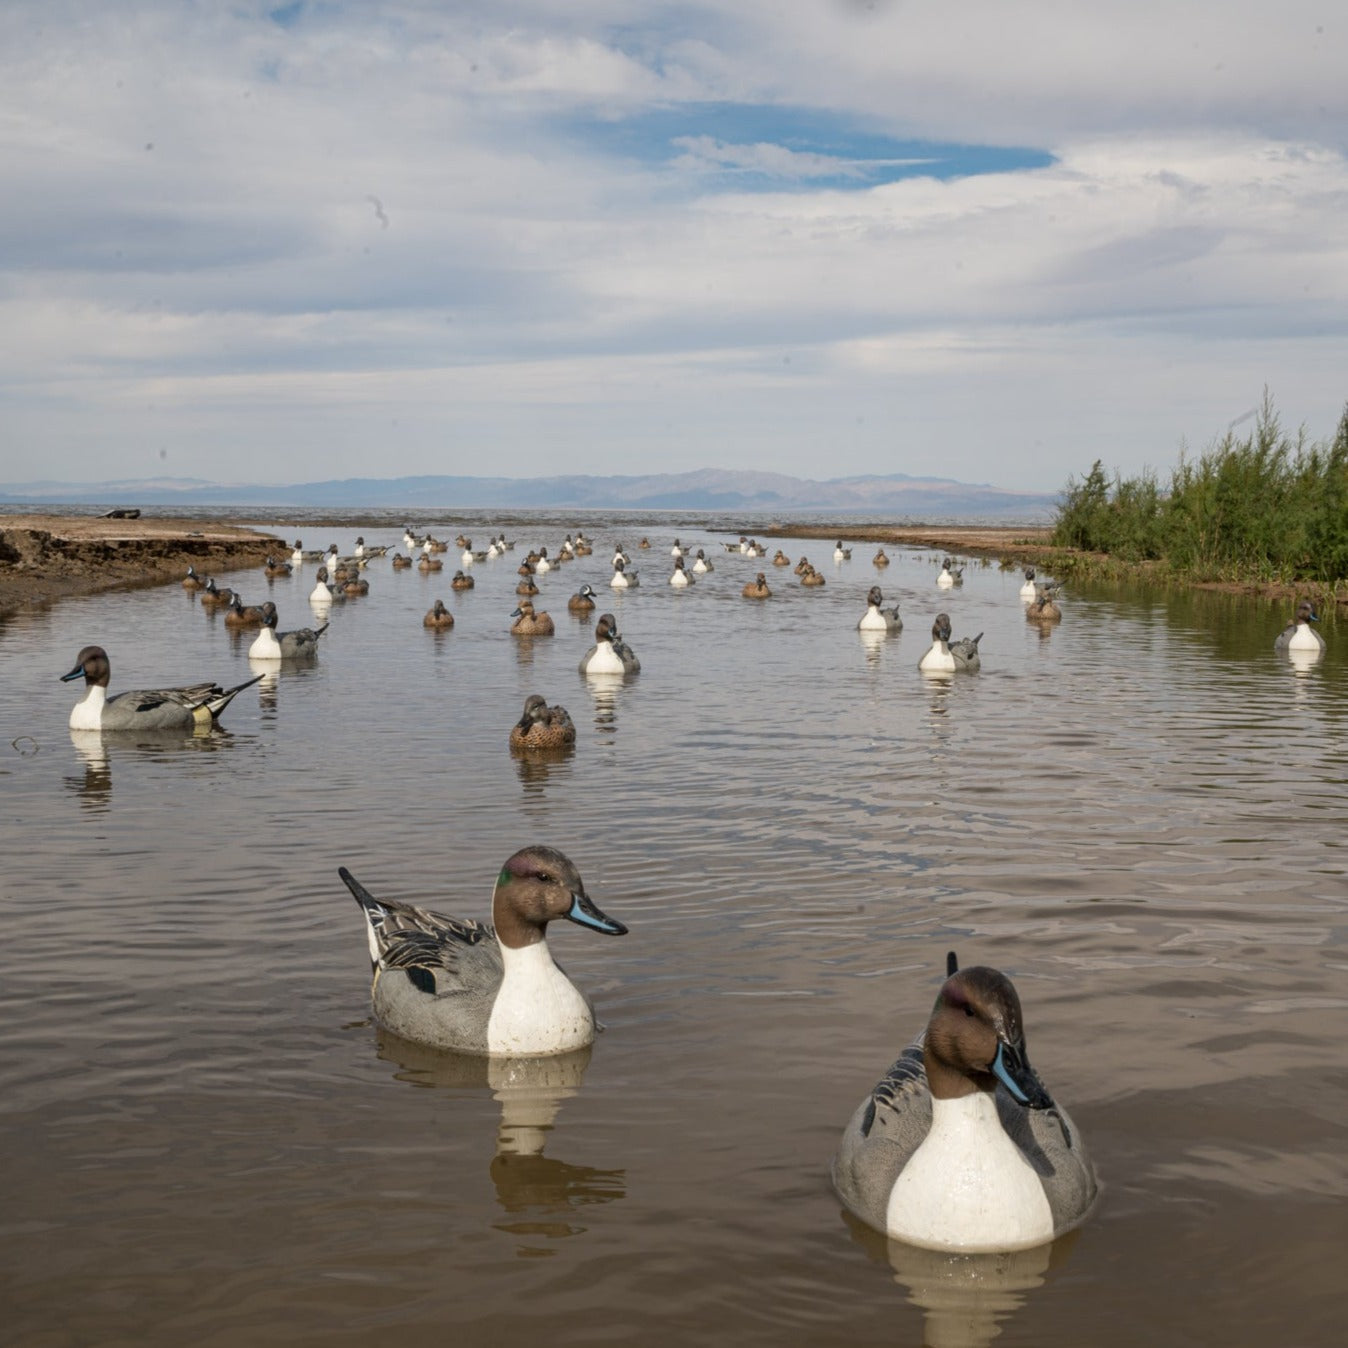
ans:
(1268, 507)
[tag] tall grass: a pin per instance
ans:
(1270, 507)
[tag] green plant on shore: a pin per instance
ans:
(1269, 507)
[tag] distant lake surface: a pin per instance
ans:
(1139, 815)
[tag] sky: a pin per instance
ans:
(989, 241)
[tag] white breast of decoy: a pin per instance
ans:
(968, 1176)
(537, 1009)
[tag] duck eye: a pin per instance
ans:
(968, 1010)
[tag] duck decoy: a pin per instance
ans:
(877, 618)
(460, 581)
(239, 614)
(623, 579)
(582, 601)
(301, 644)
(842, 554)
(610, 654)
(196, 704)
(700, 563)
(192, 581)
(1045, 608)
(950, 574)
(527, 587)
(542, 726)
(757, 588)
(530, 624)
(811, 577)
(680, 577)
(960, 1146)
(401, 563)
(488, 989)
(1298, 635)
(274, 569)
(945, 655)
(211, 594)
(1029, 590)
(322, 592)
(880, 558)
(439, 617)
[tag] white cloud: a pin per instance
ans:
(190, 246)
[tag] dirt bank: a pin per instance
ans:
(1029, 543)
(46, 557)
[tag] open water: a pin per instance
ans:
(1138, 815)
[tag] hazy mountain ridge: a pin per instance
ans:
(702, 489)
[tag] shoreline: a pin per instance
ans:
(45, 557)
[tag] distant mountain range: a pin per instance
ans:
(703, 489)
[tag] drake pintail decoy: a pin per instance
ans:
(301, 644)
(877, 618)
(489, 989)
(946, 656)
(1298, 635)
(960, 1146)
(950, 574)
(322, 593)
(196, 704)
(680, 577)
(610, 654)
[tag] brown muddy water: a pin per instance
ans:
(1139, 816)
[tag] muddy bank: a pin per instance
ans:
(47, 557)
(1025, 542)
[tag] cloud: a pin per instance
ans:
(745, 234)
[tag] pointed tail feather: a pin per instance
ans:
(220, 701)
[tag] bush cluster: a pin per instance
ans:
(1270, 507)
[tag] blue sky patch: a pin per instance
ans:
(757, 147)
